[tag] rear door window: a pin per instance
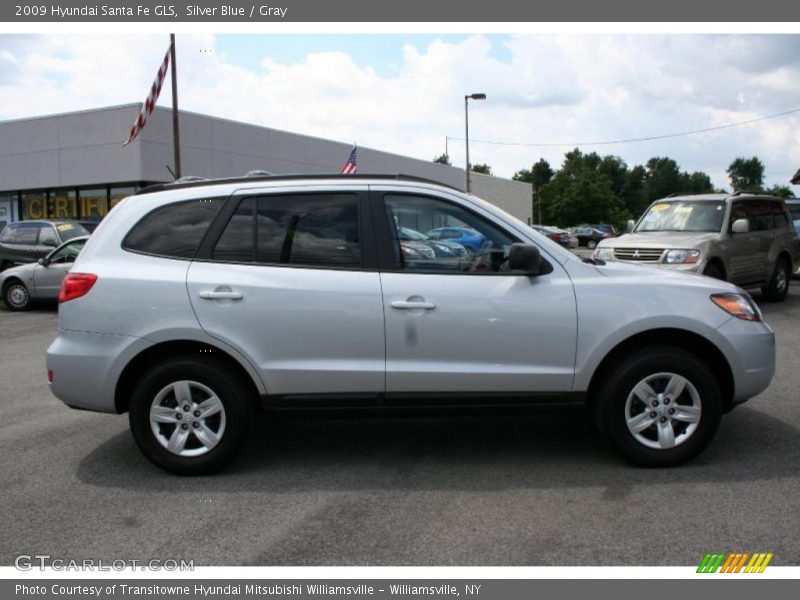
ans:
(760, 215)
(316, 230)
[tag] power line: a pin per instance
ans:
(630, 140)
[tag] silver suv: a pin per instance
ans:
(195, 304)
(747, 239)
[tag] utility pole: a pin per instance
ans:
(176, 138)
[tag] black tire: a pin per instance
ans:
(591, 244)
(235, 396)
(713, 270)
(16, 295)
(619, 383)
(778, 286)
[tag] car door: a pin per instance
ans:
(466, 324)
(47, 278)
(291, 281)
(763, 223)
(742, 247)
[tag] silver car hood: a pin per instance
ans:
(659, 239)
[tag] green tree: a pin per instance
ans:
(696, 183)
(580, 193)
(633, 193)
(485, 169)
(538, 176)
(444, 159)
(746, 174)
(782, 191)
(663, 177)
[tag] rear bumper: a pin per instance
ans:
(86, 367)
(750, 350)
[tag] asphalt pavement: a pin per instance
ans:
(455, 490)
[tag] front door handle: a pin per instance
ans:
(413, 305)
(208, 295)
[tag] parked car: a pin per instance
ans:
(793, 204)
(589, 237)
(559, 236)
(89, 226)
(411, 238)
(465, 236)
(195, 304)
(604, 227)
(26, 241)
(40, 280)
(746, 239)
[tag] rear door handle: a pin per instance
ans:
(405, 304)
(221, 295)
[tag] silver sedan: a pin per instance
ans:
(39, 280)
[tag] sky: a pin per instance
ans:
(404, 93)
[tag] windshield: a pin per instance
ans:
(683, 215)
(794, 208)
(67, 231)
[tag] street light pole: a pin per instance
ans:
(467, 98)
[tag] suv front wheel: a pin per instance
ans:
(659, 407)
(190, 416)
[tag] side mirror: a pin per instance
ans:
(526, 258)
(44, 262)
(631, 225)
(740, 226)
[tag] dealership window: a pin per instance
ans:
(62, 204)
(93, 203)
(34, 205)
(118, 193)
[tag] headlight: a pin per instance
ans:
(738, 305)
(604, 253)
(682, 257)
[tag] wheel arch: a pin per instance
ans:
(720, 263)
(151, 355)
(687, 340)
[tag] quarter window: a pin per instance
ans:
(440, 236)
(319, 230)
(174, 230)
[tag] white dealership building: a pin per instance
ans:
(73, 165)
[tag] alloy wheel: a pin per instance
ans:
(187, 418)
(663, 410)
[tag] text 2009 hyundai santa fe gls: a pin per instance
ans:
(195, 303)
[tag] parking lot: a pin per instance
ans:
(453, 490)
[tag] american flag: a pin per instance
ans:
(350, 166)
(150, 103)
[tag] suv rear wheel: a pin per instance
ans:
(778, 286)
(190, 416)
(659, 407)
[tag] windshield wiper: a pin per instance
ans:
(594, 261)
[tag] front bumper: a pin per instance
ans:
(86, 367)
(750, 350)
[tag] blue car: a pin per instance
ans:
(469, 238)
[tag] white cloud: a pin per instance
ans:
(566, 88)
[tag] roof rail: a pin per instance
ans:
(179, 185)
(751, 193)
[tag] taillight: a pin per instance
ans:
(75, 285)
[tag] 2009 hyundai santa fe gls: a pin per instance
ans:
(195, 303)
